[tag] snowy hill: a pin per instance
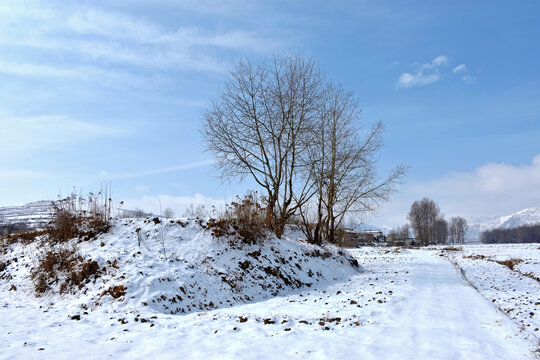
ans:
(33, 214)
(175, 267)
(529, 216)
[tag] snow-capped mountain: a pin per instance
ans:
(33, 214)
(529, 216)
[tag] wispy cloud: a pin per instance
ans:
(31, 133)
(10, 174)
(430, 73)
(426, 74)
(88, 74)
(111, 176)
(460, 68)
(109, 38)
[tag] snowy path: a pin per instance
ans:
(441, 317)
(409, 305)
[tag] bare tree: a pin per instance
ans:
(139, 213)
(168, 213)
(440, 231)
(343, 164)
(400, 232)
(457, 230)
(422, 216)
(198, 211)
(296, 135)
(257, 125)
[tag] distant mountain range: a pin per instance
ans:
(32, 215)
(36, 215)
(529, 216)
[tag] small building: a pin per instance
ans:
(350, 239)
(357, 239)
(391, 241)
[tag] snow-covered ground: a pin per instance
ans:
(406, 304)
(515, 289)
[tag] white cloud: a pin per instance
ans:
(468, 79)
(426, 74)
(106, 38)
(431, 72)
(6, 174)
(178, 203)
(459, 68)
(89, 74)
(31, 133)
(439, 61)
(407, 80)
(168, 169)
(494, 189)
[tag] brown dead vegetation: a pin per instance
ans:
(452, 248)
(510, 263)
(64, 266)
(80, 217)
(243, 220)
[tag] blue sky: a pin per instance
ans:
(94, 91)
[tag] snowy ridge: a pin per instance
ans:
(529, 216)
(33, 214)
(177, 267)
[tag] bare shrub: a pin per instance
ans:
(24, 237)
(168, 213)
(78, 216)
(244, 219)
(510, 263)
(198, 211)
(65, 266)
(137, 213)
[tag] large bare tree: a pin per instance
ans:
(343, 165)
(279, 122)
(423, 216)
(257, 127)
(440, 231)
(457, 229)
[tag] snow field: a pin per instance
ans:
(515, 291)
(406, 304)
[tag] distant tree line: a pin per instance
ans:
(521, 234)
(429, 225)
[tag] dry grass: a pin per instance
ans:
(244, 220)
(82, 217)
(65, 266)
(510, 263)
(452, 248)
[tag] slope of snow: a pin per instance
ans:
(178, 267)
(408, 304)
